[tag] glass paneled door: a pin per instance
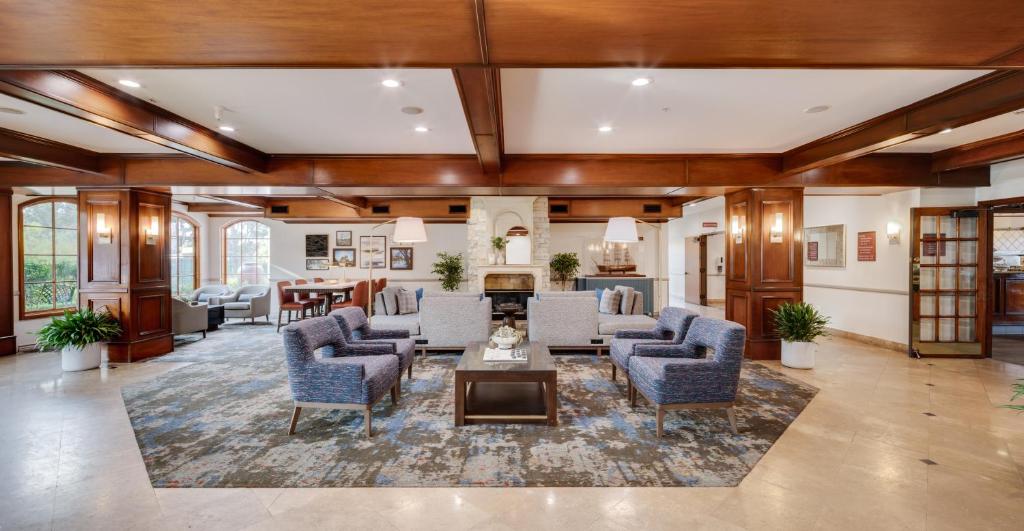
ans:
(948, 286)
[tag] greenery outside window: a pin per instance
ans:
(48, 257)
(184, 255)
(246, 254)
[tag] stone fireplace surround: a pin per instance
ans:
(510, 283)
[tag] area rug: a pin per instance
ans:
(221, 422)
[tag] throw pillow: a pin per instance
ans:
(390, 295)
(599, 292)
(626, 305)
(419, 297)
(406, 302)
(378, 304)
(610, 302)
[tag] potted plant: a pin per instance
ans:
(78, 335)
(564, 267)
(450, 269)
(798, 325)
(498, 243)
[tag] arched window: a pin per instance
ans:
(48, 256)
(246, 253)
(184, 255)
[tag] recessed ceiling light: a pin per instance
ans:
(226, 128)
(130, 83)
(391, 83)
(421, 129)
(946, 130)
(817, 108)
(11, 110)
(642, 81)
(412, 110)
(605, 129)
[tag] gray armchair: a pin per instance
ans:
(670, 328)
(188, 319)
(685, 375)
(205, 293)
(249, 302)
(357, 330)
(346, 376)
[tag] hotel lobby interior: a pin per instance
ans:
(494, 264)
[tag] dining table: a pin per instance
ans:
(327, 290)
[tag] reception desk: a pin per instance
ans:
(1009, 298)
(644, 285)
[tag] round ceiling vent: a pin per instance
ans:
(11, 110)
(412, 110)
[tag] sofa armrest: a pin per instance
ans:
(667, 350)
(638, 334)
(384, 334)
(361, 348)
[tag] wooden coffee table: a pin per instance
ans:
(506, 392)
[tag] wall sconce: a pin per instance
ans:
(104, 236)
(892, 230)
(775, 232)
(153, 231)
(739, 226)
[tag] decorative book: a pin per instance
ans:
(501, 354)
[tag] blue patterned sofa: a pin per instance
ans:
(670, 329)
(701, 372)
(345, 376)
(357, 330)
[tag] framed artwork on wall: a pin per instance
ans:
(345, 257)
(343, 238)
(401, 258)
(372, 246)
(316, 245)
(825, 246)
(317, 264)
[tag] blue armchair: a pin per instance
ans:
(357, 331)
(687, 375)
(669, 330)
(346, 376)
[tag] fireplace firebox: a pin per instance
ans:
(505, 288)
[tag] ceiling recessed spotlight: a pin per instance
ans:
(421, 129)
(226, 128)
(817, 108)
(391, 83)
(130, 83)
(412, 110)
(946, 130)
(605, 129)
(11, 110)
(642, 81)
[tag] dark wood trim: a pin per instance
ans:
(83, 97)
(8, 341)
(23, 314)
(36, 150)
(221, 208)
(993, 150)
(987, 96)
(479, 90)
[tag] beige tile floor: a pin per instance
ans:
(68, 460)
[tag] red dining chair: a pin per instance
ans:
(358, 298)
(288, 303)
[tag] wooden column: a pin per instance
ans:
(763, 266)
(127, 268)
(8, 343)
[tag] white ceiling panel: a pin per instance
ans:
(42, 122)
(313, 110)
(995, 126)
(699, 111)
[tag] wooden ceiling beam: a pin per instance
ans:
(35, 150)
(976, 100)
(994, 150)
(222, 208)
(480, 92)
(83, 97)
(349, 201)
(240, 201)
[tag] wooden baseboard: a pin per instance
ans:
(870, 340)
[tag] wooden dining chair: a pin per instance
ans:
(289, 303)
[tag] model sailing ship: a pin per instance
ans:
(616, 260)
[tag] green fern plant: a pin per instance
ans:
(799, 322)
(78, 329)
(451, 269)
(1018, 391)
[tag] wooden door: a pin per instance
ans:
(702, 241)
(948, 282)
(691, 271)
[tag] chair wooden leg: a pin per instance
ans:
(732, 419)
(661, 421)
(631, 393)
(367, 416)
(295, 420)
(410, 369)
(614, 368)
(279, 314)
(204, 334)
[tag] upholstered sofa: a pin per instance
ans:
(187, 318)
(444, 321)
(205, 293)
(570, 319)
(249, 302)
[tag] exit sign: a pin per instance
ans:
(710, 224)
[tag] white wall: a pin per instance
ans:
(1007, 181)
(688, 226)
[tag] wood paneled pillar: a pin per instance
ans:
(763, 264)
(8, 343)
(124, 265)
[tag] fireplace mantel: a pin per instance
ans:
(533, 269)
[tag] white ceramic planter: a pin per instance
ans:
(73, 359)
(799, 354)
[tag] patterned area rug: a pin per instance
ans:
(222, 421)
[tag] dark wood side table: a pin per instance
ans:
(510, 309)
(506, 392)
(214, 317)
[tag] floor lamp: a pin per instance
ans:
(407, 230)
(623, 230)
